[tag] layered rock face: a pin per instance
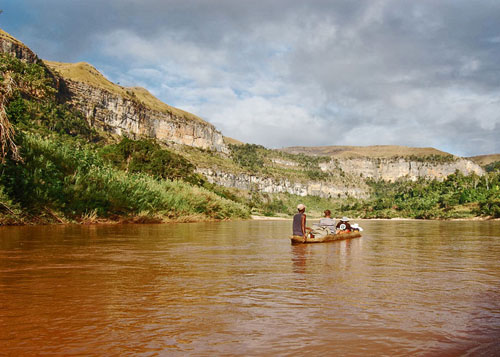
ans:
(365, 168)
(394, 169)
(270, 185)
(120, 115)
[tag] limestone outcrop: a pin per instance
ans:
(352, 171)
(125, 116)
(251, 182)
(401, 168)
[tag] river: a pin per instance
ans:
(240, 288)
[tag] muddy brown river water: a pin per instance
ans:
(239, 288)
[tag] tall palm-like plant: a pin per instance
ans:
(6, 130)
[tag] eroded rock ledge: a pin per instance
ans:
(394, 169)
(119, 115)
(281, 185)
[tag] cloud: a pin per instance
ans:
(289, 72)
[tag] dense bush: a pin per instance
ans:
(147, 156)
(73, 180)
(28, 114)
(32, 103)
(432, 198)
(248, 156)
(493, 167)
(490, 207)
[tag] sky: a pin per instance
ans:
(420, 73)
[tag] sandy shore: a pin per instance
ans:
(265, 218)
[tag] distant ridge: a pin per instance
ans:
(376, 151)
(484, 160)
(230, 141)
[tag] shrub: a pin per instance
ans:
(73, 179)
(248, 156)
(147, 156)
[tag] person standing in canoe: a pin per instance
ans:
(299, 222)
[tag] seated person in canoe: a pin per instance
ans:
(343, 226)
(325, 226)
(327, 221)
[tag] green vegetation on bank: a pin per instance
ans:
(458, 196)
(278, 164)
(74, 182)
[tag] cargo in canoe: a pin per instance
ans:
(327, 238)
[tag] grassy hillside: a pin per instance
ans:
(10, 38)
(484, 160)
(231, 141)
(257, 160)
(85, 73)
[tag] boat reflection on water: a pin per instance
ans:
(317, 255)
(299, 258)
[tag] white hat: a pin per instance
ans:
(356, 226)
(300, 207)
(345, 219)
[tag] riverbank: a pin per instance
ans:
(54, 219)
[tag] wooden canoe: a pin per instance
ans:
(328, 238)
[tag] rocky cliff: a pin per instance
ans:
(252, 182)
(401, 168)
(348, 170)
(389, 162)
